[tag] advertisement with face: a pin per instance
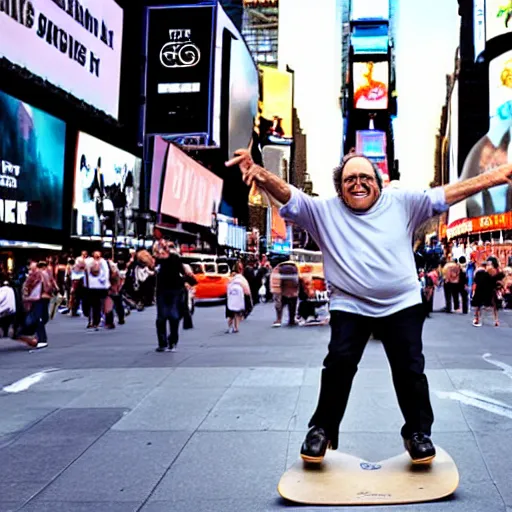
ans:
(32, 147)
(498, 14)
(371, 82)
(495, 148)
(75, 45)
(107, 181)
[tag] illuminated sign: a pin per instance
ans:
(180, 51)
(502, 221)
(278, 100)
(371, 82)
(370, 10)
(371, 143)
(75, 45)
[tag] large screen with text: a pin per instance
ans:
(75, 45)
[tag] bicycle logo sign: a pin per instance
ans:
(180, 51)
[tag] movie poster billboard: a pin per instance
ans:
(371, 85)
(107, 181)
(32, 148)
(495, 147)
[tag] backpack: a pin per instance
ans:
(236, 297)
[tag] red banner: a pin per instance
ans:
(191, 192)
(497, 222)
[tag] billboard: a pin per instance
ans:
(74, 45)
(497, 18)
(277, 101)
(179, 51)
(370, 10)
(371, 143)
(371, 83)
(32, 148)
(157, 172)
(107, 181)
(243, 95)
(191, 193)
(370, 39)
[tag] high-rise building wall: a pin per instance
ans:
(310, 44)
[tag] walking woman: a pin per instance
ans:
(238, 292)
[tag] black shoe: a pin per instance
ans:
(420, 448)
(160, 349)
(314, 446)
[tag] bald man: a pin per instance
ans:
(365, 234)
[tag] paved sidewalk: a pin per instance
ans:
(110, 425)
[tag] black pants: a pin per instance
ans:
(118, 308)
(464, 298)
(451, 291)
(169, 308)
(96, 298)
(400, 334)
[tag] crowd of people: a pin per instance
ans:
(467, 281)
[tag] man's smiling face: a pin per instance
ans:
(359, 186)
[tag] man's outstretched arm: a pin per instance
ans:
(462, 190)
(264, 179)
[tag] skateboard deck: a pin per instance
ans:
(343, 479)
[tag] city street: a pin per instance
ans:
(107, 424)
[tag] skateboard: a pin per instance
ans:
(343, 479)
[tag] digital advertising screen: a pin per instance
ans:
(107, 184)
(32, 151)
(73, 45)
(178, 69)
(243, 97)
(369, 10)
(277, 101)
(497, 18)
(371, 85)
(371, 143)
(370, 39)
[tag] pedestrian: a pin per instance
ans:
(237, 293)
(38, 289)
(98, 280)
(361, 232)
(451, 272)
(171, 276)
(114, 301)
(285, 287)
(463, 285)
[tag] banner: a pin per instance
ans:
(107, 181)
(178, 70)
(191, 192)
(32, 147)
(480, 225)
(75, 45)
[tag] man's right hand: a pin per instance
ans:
(254, 174)
(250, 171)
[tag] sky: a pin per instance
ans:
(426, 43)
